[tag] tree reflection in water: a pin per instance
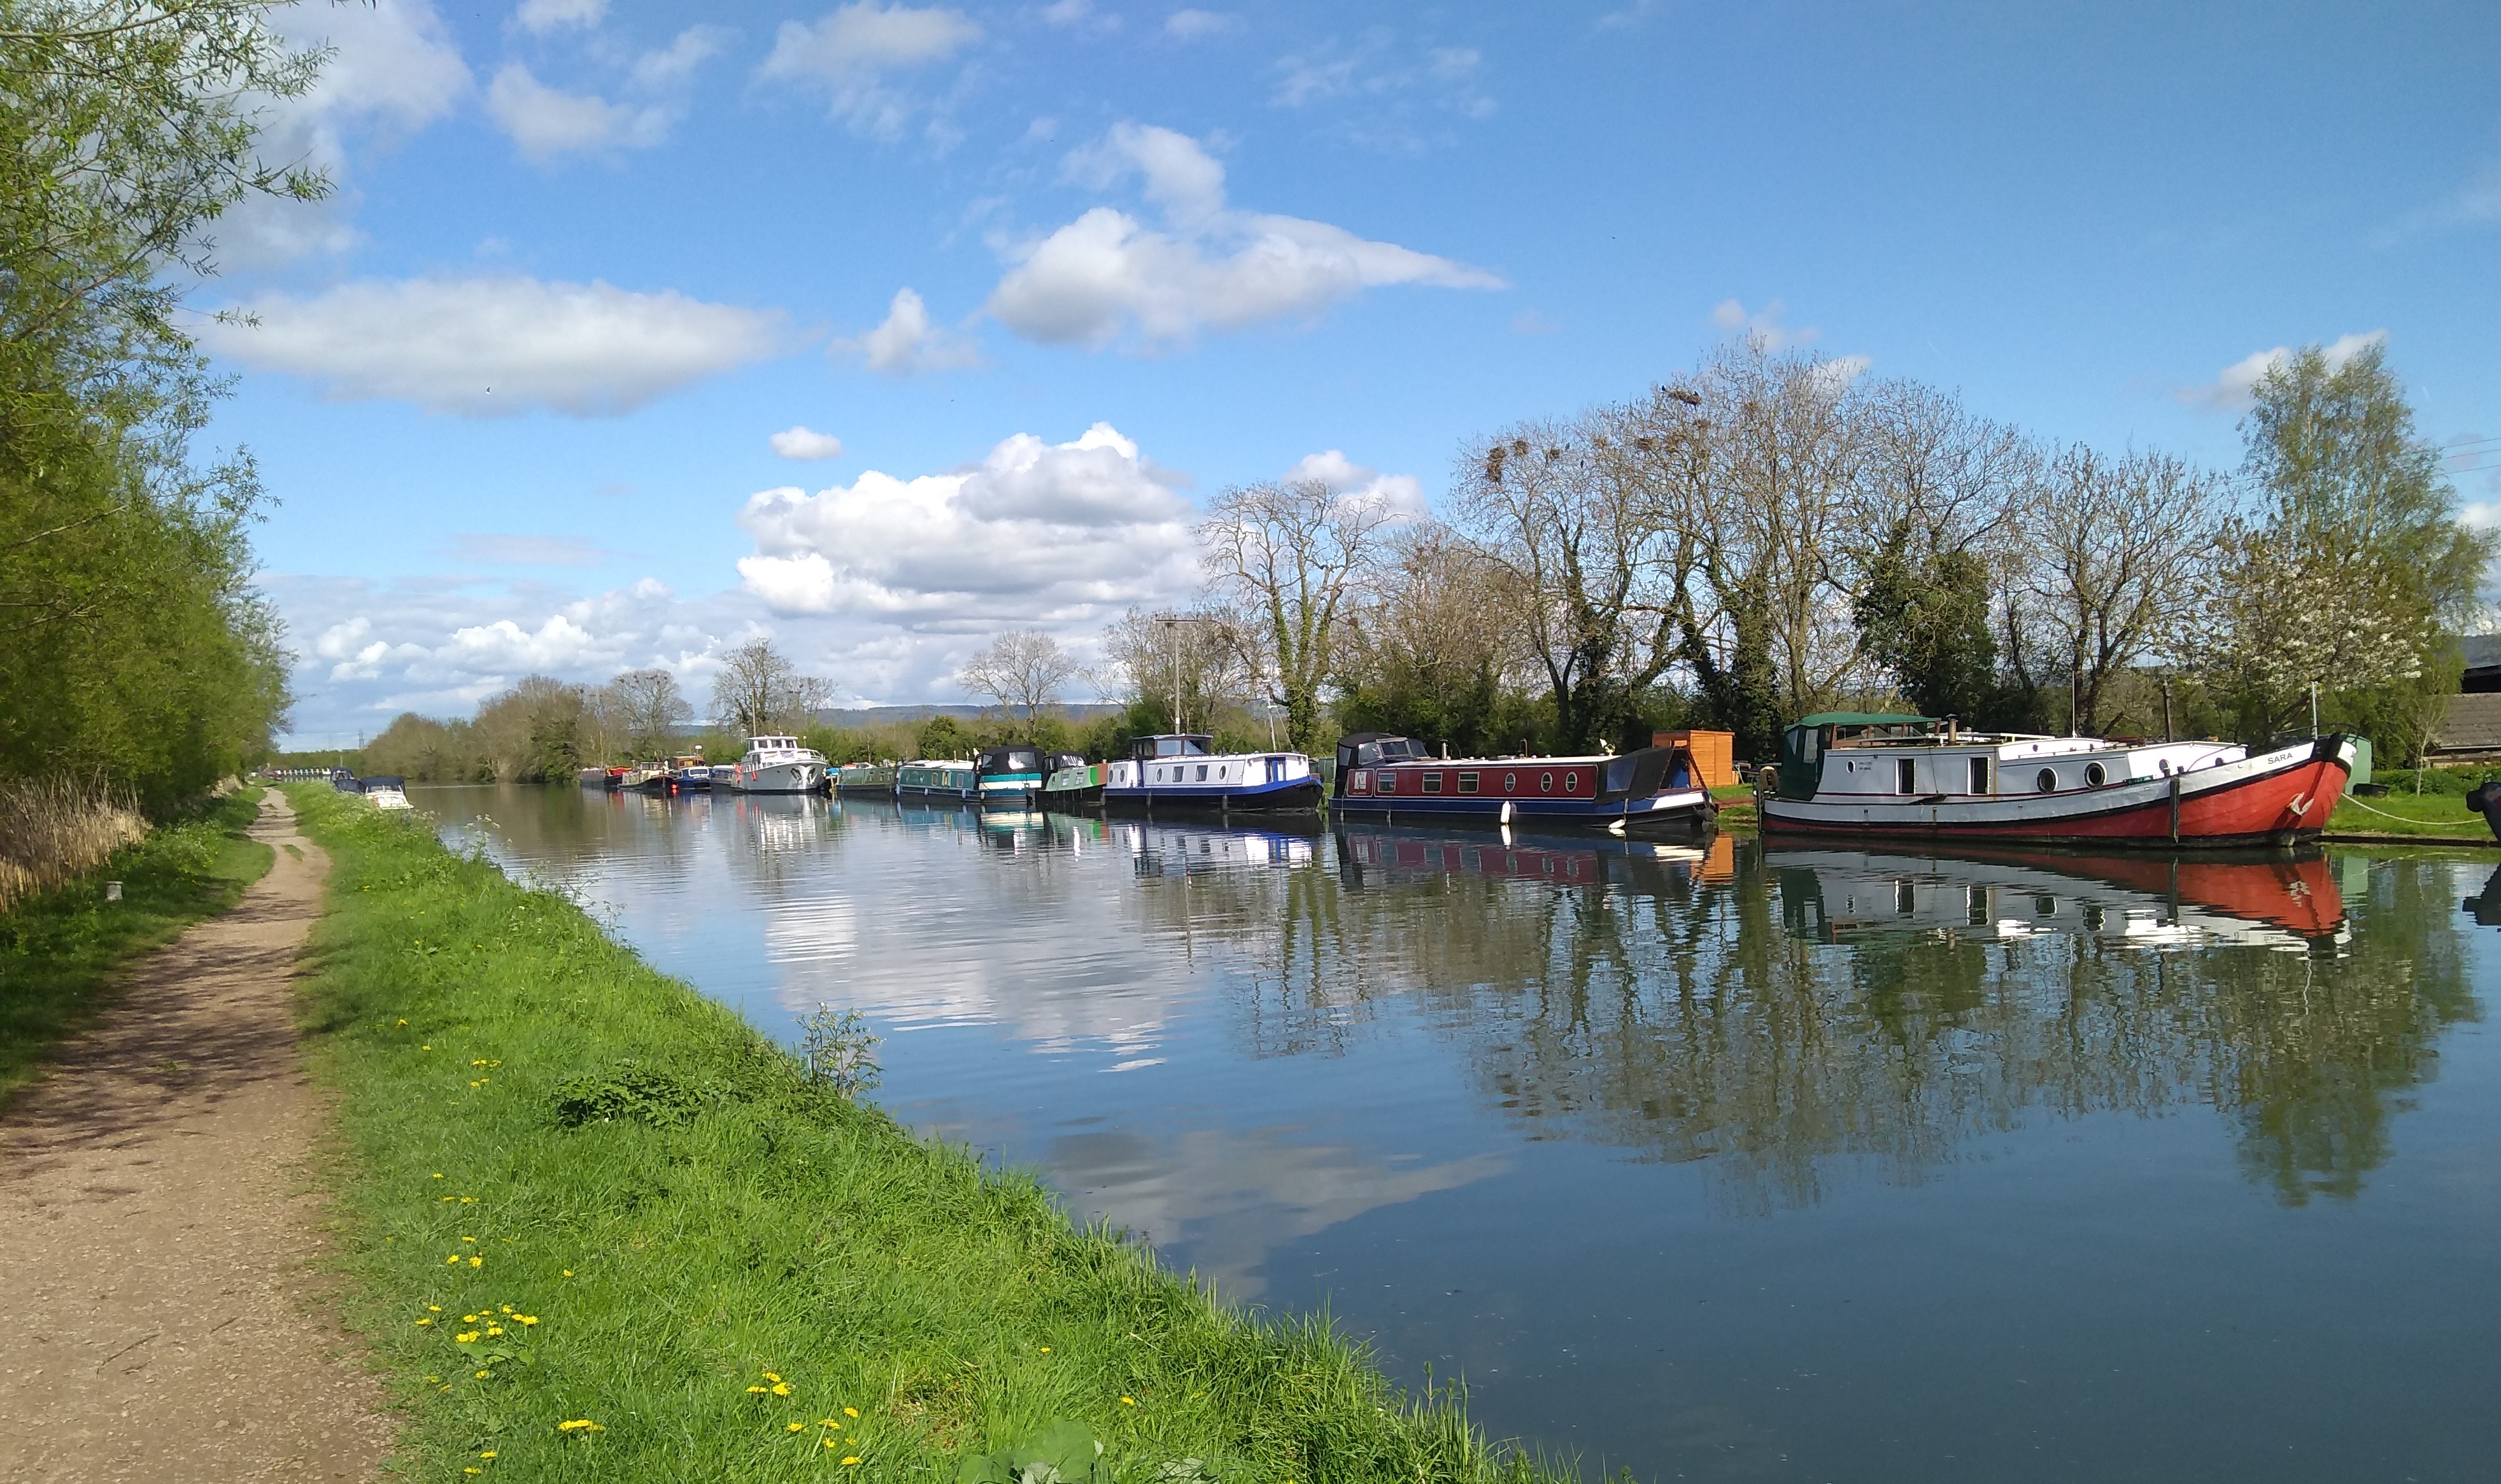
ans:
(1796, 1017)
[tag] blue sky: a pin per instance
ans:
(515, 385)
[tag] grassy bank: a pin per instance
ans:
(576, 1192)
(60, 947)
(2429, 815)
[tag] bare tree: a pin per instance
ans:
(1295, 554)
(1193, 665)
(1583, 557)
(1021, 670)
(650, 709)
(760, 690)
(2118, 552)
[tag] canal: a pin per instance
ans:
(1738, 1164)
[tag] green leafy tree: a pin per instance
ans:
(1924, 613)
(131, 641)
(2353, 570)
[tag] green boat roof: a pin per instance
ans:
(1861, 719)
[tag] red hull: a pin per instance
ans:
(2277, 808)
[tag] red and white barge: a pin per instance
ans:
(1863, 774)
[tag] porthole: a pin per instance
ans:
(1511, 782)
(1570, 782)
(2096, 776)
(2048, 782)
(1546, 783)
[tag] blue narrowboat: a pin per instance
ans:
(1177, 771)
(1008, 777)
(936, 778)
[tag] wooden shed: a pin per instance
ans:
(1713, 754)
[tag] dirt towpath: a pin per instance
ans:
(160, 1318)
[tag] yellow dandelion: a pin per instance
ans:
(438, 1175)
(468, 1319)
(798, 1426)
(482, 1375)
(1046, 1349)
(568, 1272)
(447, 1199)
(831, 1443)
(850, 1458)
(425, 1321)
(580, 1424)
(525, 1318)
(851, 1411)
(494, 1328)
(465, 1339)
(476, 1262)
(434, 1308)
(781, 1388)
(755, 1391)
(403, 1022)
(827, 1422)
(453, 1260)
(1128, 1400)
(468, 1239)
(489, 1453)
(770, 1376)
(473, 1469)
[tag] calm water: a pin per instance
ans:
(1748, 1165)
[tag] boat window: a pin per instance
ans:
(1571, 781)
(1906, 899)
(2095, 774)
(1906, 776)
(1467, 783)
(1546, 783)
(1511, 782)
(1979, 774)
(1367, 754)
(1202, 773)
(2048, 782)
(1432, 782)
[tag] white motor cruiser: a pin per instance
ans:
(775, 765)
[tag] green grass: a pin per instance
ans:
(536, 1123)
(59, 950)
(2432, 815)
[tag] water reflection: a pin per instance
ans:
(1678, 1088)
(1637, 996)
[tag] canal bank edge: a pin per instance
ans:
(597, 1227)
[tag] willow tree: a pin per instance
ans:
(1293, 555)
(131, 641)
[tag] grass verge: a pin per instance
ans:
(574, 1191)
(2430, 815)
(59, 948)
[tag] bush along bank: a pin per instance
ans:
(599, 1228)
(59, 947)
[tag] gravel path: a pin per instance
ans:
(162, 1314)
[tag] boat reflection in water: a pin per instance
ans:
(1373, 853)
(2286, 902)
(1188, 850)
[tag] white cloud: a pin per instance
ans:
(1402, 495)
(1764, 325)
(805, 442)
(1211, 267)
(1198, 25)
(484, 347)
(1834, 375)
(546, 123)
(906, 343)
(1035, 533)
(541, 17)
(849, 50)
(670, 66)
(2234, 386)
(393, 70)
(1070, 15)
(2478, 201)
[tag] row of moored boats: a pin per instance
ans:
(1839, 772)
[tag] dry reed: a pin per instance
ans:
(53, 829)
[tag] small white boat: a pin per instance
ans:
(774, 765)
(384, 793)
